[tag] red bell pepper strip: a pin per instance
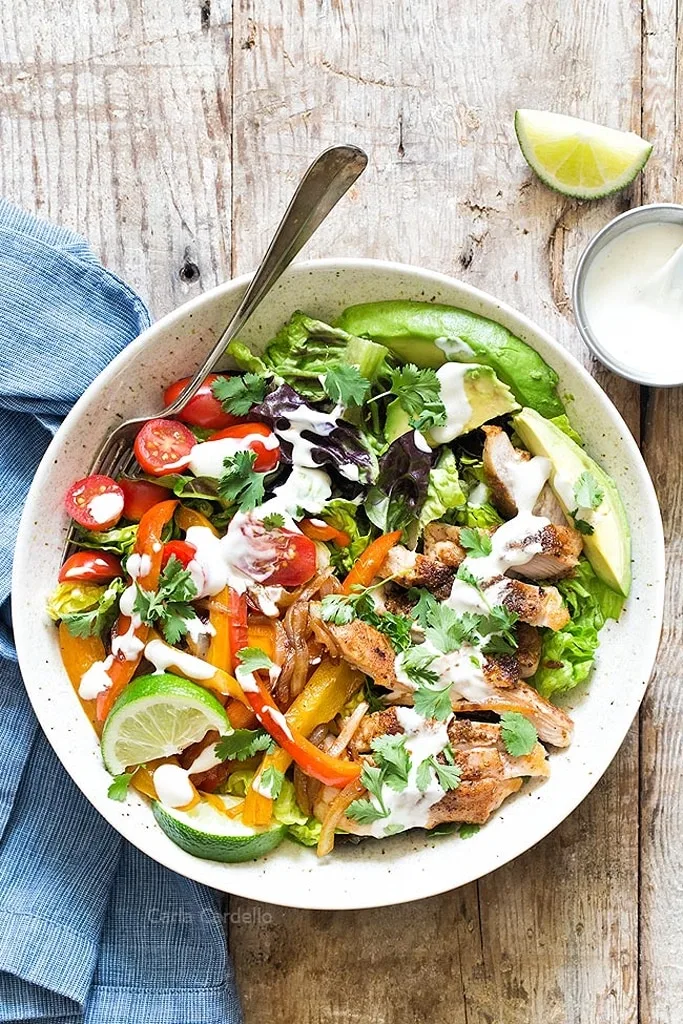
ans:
(148, 542)
(366, 568)
(332, 771)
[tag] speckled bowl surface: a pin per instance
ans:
(404, 867)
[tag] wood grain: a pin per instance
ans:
(172, 134)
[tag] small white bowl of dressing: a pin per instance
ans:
(628, 295)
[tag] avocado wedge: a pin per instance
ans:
(430, 334)
(608, 547)
(487, 396)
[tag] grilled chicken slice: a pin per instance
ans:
(368, 650)
(442, 542)
(560, 547)
(489, 773)
(528, 651)
(499, 458)
(410, 569)
(537, 606)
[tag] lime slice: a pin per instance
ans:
(579, 158)
(205, 832)
(157, 716)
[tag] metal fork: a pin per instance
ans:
(327, 179)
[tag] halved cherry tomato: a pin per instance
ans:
(90, 567)
(164, 446)
(296, 560)
(95, 502)
(316, 529)
(267, 456)
(139, 496)
(179, 549)
(204, 410)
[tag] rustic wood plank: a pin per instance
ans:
(554, 936)
(116, 121)
(661, 908)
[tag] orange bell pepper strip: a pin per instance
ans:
(366, 568)
(187, 517)
(219, 618)
(325, 694)
(262, 635)
(79, 653)
(323, 531)
(148, 542)
(237, 624)
(240, 715)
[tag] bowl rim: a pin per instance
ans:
(648, 213)
(433, 884)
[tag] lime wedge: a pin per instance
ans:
(157, 716)
(579, 158)
(205, 832)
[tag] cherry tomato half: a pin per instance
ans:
(267, 454)
(90, 567)
(180, 549)
(139, 496)
(296, 560)
(163, 446)
(95, 502)
(204, 410)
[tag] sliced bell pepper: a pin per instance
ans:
(79, 653)
(187, 517)
(325, 694)
(148, 542)
(240, 715)
(262, 635)
(219, 618)
(237, 624)
(366, 568)
(323, 531)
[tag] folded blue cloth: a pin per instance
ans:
(90, 929)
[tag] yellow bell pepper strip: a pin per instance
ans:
(325, 694)
(366, 568)
(79, 653)
(148, 542)
(237, 624)
(324, 532)
(219, 618)
(143, 782)
(187, 517)
(262, 635)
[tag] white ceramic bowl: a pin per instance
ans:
(404, 867)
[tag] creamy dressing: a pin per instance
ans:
(128, 645)
(462, 670)
(172, 785)
(105, 507)
(633, 295)
(452, 377)
(138, 565)
(411, 808)
(207, 457)
(455, 349)
(197, 629)
(205, 761)
(95, 680)
(304, 488)
(163, 657)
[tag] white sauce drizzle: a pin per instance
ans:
(207, 457)
(172, 785)
(95, 680)
(197, 629)
(127, 644)
(105, 507)
(163, 657)
(452, 377)
(205, 761)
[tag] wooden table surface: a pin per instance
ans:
(171, 133)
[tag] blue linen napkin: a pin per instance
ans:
(91, 930)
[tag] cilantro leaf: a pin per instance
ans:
(394, 760)
(582, 525)
(419, 394)
(270, 782)
(371, 778)
(338, 609)
(242, 743)
(449, 775)
(416, 662)
(239, 393)
(240, 483)
(365, 812)
(253, 658)
(423, 774)
(467, 576)
(518, 733)
(433, 702)
(476, 542)
(448, 631)
(467, 830)
(587, 491)
(96, 621)
(273, 521)
(168, 605)
(393, 830)
(118, 790)
(345, 385)
(426, 602)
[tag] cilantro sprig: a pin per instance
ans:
(253, 658)
(270, 782)
(239, 393)
(242, 744)
(419, 394)
(588, 495)
(518, 733)
(118, 789)
(240, 483)
(96, 621)
(477, 543)
(340, 609)
(169, 605)
(273, 521)
(345, 385)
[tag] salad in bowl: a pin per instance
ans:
(341, 596)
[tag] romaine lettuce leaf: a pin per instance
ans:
(567, 656)
(444, 489)
(307, 834)
(69, 598)
(120, 540)
(344, 515)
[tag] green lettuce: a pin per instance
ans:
(444, 489)
(478, 510)
(343, 515)
(286, 810)
(70, 598)
(120, 540)
(86, 609)
(307, 834)
(567, 656)
(562, 422)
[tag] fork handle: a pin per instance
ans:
(327, 179)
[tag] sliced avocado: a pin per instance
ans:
(488, 397)
(429, 335)
(608, 548)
